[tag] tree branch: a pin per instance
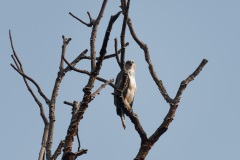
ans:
(150, 65)
(134, 118)
(125, 13)
(100, 88)
(67, 151)
(73, 156)
(42, 113)
(191, 77)
(34, 82)
(54, 96)
(87, 24)
(75, 61)
(146, 146)
(87, 73)
(107, 56)
(94, 35)
(81, 152)
(19, 69)
(116, 52)
(58, 150)
(79, 143)
(68, 103)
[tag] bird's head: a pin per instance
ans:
(130, 65)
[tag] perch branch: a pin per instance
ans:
(134, 118)
(128, 109)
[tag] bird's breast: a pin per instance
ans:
(131, 89)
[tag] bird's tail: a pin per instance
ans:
(123, 120)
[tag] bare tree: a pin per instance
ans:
(79, 108)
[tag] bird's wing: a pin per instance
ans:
(132, 103)
(118, 83)
(126, 87)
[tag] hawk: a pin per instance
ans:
(129, 91)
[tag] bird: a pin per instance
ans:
(129, 90)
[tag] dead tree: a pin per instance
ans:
(79, 108)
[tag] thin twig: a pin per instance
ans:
(116, 51)
(68, 103)
(42, 113)
(58, 150)
(20, 70)
(33, 81)
(14, 52)
(100, 88)
(191, 77)
(79, 143)
(87, 24)
(107, 56)
(87, 73)
(76, 60)
(81, 152)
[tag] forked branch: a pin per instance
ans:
(146, 145)
(100, 88)
(87, 73)
(73, 127)
(107, 56)
(75, 61)
(87, 24)
(19, 69)
(52, 104)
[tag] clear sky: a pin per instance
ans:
(179, 35)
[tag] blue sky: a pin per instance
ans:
(179, 35)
